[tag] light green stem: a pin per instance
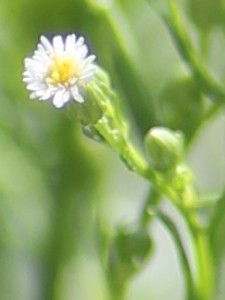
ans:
(149, 209)
(189, 54)
(204, 271)
(113, 130)
(135, 162)
(186, 268)
(203, 257)
(120, 143)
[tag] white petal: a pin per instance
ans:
(41, 57)
(87, 76)
(66, 97)
(37, 68)
(45, 42)
(47, 95)
(76, 95)
(81, 52)
(34, 86)
(70, 43)
(88, 61)
(37, 95)
(58, 99)
(58, 45)
(27, 79)
(80, 41)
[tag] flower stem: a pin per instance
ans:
(113, 131)
(149, 208)
(203, 257)
(120, 143)
(186, 268)
(187, 51)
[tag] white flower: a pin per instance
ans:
(59, 70)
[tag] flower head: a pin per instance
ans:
(59, 70)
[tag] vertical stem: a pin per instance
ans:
(149, 207)
(116, 294)
(111, 128)
(203, 257)
(188, 53)
(199, 282)
(186, 268)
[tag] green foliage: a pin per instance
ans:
(52, 178)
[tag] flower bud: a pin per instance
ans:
(89, 111)
(165, 148)
(98, 96)
(97, 102)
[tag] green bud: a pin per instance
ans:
(89, 111)
(165, 148)
(97, 106)
(97, 94)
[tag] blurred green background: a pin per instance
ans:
(55, 182)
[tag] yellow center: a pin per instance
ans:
(61, 70)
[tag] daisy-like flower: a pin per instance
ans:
(59, 71)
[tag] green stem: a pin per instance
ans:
(186, 269)
(213, 111)
(111, 128)
(216, 235)
(187, 51)
(149, 209)
(203, 257)
(116, 294)
(131, 156)
(119, 142)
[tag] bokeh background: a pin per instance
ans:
(55, 182)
